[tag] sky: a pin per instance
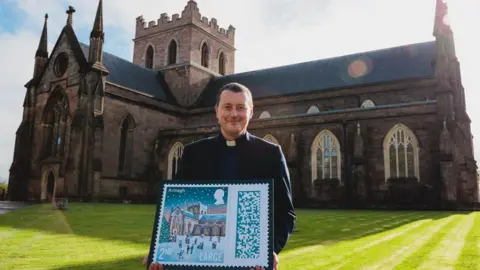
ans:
(268, 33)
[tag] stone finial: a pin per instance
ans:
(42, 50)
(70, 12)
(97, 30)
(441, 26)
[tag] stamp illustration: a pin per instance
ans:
(215, 225)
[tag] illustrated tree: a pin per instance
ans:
(164, 231)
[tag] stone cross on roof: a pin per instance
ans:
(70, 12)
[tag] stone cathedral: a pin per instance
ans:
(384, 128)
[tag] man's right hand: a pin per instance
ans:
(153, 266)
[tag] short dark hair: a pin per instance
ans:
(237, 88)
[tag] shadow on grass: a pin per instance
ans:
(124, 222)
(133, 223)
(127, 264)
(331, 226)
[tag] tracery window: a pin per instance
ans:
(54, 123)
(174, 157)
(326, 156)
(126, 146)
(400, 150)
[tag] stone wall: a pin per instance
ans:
(111, 189)
(160, 42)
(148, 122)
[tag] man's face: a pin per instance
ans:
(233, 113)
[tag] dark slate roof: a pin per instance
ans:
(127, 74)
(385, 65)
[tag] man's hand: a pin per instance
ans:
(275, 263)
(153, 266)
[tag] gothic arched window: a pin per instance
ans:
(221, 63)
(313, 109)
(174, 159)
(400, 151)
(205, 55)
(126, 145)
(326, 156)
(270, 138)
(149, 57)
(54, 124)
(368, 104)
(264, 114)
(172, 52)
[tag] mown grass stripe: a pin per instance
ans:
(344, 251)
(385, 248)
(445, 255)
(422, 248)
(113, 236)
(336, 236)
(470, 254)
(409, 245)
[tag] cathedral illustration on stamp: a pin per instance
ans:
(213, 224)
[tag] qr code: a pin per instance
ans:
(247, 244)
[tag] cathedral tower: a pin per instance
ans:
(188, 50)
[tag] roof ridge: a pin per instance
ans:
(122, 59)
(128, 74)
(375, 51)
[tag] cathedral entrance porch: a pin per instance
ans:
(49, 184)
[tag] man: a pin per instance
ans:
(235, 154)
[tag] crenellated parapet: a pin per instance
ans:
(190, 15)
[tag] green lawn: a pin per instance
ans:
(110, 236)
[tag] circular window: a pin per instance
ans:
(61, 64)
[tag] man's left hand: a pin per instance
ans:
(275, 263)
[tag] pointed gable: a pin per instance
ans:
(66, 60)
(68, 46)
(122, 72)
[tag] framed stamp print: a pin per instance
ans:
(213, 225)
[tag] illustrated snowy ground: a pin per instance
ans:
(172, 252)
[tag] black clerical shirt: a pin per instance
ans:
(249, 158)
(228, 163)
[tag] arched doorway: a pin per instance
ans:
(50, 185)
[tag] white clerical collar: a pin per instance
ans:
(230, 143)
